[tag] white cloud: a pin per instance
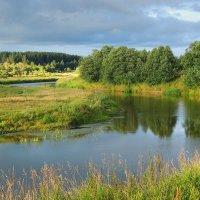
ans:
(153, 14)
(183, 14)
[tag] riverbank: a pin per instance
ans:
(47, 107)
(175, 88)
(47, 77)
(15, 80)
(159, 180)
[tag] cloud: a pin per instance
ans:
(185, 15)
(144, 23)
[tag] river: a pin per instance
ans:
(145, 125)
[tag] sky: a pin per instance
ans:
(79, 26)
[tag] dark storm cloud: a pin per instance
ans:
(142, 23)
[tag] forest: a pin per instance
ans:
(125, 65)
(35, 63)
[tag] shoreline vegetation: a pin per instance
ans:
(158, 70)
(57, 106)
(158, 180)
(174, 89)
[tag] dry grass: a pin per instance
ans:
(41, 97)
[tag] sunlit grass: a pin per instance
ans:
(174, 88)
(45, 77)
(48, 107)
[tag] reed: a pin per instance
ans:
(159, 180)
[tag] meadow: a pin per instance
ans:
(48, 107)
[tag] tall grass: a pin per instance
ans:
(174, 88)
(159, 180)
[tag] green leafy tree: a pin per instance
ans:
(191, 65)
(120, 65)
(11, 58)
(24, 59)
(41, 58)
(192, 77)
(88, 70)
(191, 57)
(162, 66)
(91, 67)
(141, 71)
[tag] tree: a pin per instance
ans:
(192, 77)
(120, 65)
(162, 66)
(191, 65)
(141, 71)
(41, 58)
(192, 56)
(88, 69)
(24, 59)
(91, 67)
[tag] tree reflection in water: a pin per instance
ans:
(192, 120)
(156, 114)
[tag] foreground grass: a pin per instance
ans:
(45, 108)
(159, 180)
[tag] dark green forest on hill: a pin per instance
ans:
(34, 63)
(125, 65)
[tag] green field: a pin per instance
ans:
(48, 107)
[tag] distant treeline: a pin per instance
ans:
(125, 65)
(60, 60)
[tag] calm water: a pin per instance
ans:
(33, 84)
(144, 125)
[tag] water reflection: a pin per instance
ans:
(56, 135)
(50, 83)
(156, 125)
(129, 120)
(21, 138)
(156, 114)
(192, 119)
(138, 114)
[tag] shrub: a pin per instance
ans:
(172, 92)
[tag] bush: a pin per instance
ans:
(127, 90)
(172, 92)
